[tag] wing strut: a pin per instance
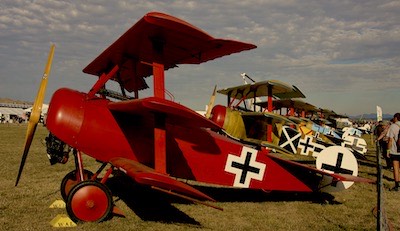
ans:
(160, 150)
(269, 126)
(102, 80)
(159, 83)
(160, 143)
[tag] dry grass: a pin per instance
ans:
(26, 207)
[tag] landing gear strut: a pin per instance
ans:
(87, 198)
(72, 179)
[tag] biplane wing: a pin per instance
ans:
(258, 123)
(327, 112)
(259, 143)
(174, 112)
(144, 175)
(163, 39)
(296, 104)
(264, 88)
(299, 120)
(275, 148)
(271, 115)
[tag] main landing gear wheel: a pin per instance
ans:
(89, 201)
(69, 181)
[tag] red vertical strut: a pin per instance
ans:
(160, 155)
(269, 126)
(159, 84)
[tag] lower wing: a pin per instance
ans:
(148, 176)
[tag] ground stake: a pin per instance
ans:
(58, 204)
(62, 221)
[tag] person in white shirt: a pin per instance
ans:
(392, 150)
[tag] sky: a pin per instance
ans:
(343, 55)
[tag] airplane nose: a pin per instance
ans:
(65, 114)
(218, 115)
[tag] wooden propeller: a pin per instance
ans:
(36, 112)
(211, 103)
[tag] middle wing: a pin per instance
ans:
(174, 113)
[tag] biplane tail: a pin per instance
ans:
(323, 179)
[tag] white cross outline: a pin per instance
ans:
(241, 160)
(310, 147)
(289, 140)
(319, 146)
(350, 140)
(311, 150)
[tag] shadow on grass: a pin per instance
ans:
(367, 163)
(146, 203)
(151, 205)
(249, 195)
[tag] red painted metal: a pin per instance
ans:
(175, 113)
(107, 175)
(80, 165)
(239, 102)
(160, 152)
(160, 158)
(147, 176)
(270, 107)
(158, 73)
(102, 81)
(89, 203)
(218, 115)
(291, 111)
(163, 39)
(231, 102)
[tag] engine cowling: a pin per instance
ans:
(65, 114)
(230, 120)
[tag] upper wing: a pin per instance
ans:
(164, 39)
(148, 176)
(291, 103)
(174, 113)
(272, 115)
(259, 89)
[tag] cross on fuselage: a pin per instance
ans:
(245, 168)
(354, 146)
(307, 144)
(337, 168)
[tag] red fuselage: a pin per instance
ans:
(192, 153)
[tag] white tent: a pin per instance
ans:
(45, 107)
(9, 113)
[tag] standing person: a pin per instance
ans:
(380, 132)
(393, 134)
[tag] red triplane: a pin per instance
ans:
(153, 140)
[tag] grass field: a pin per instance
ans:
(26, 207)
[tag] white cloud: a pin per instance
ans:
(322, 46)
